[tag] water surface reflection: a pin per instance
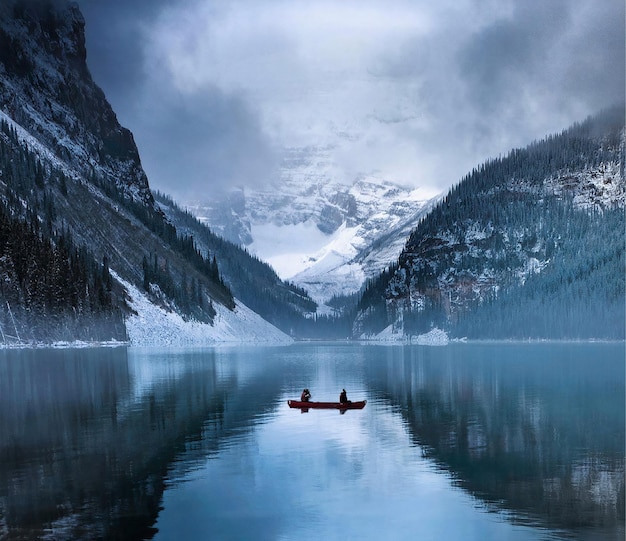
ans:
(88, 437)
(462, 442)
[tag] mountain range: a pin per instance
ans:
(530, 245)
(346, 233)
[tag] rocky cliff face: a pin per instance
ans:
(46, 87)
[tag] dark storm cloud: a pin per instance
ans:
(548, 46)
(188, 143)
(598, 73)
(114, 43)
(206, 140)
(500, 82)
(510, 51)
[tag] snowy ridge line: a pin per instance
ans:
(155, 326)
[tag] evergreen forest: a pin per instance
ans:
(55, 287)
(251, 280)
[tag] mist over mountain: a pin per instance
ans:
(325, 235)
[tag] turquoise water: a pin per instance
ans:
(467, 441)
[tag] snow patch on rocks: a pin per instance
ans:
(394, 335)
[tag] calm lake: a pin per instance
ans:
(462, 442)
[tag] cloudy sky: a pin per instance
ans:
(412, 91)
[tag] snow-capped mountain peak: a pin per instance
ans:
(320, 234)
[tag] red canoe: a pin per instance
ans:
(328, 405)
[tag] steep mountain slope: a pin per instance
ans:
(344, 233)
(252, 281)
(530, 245)
(46, 88)
(72, 175)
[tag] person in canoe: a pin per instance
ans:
(305, 396)
(343, 397)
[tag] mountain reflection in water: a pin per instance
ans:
(91, 440)
(536, 429)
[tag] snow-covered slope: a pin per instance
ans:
(324, 235)
(152, 325)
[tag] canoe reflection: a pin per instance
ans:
(341, 406)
